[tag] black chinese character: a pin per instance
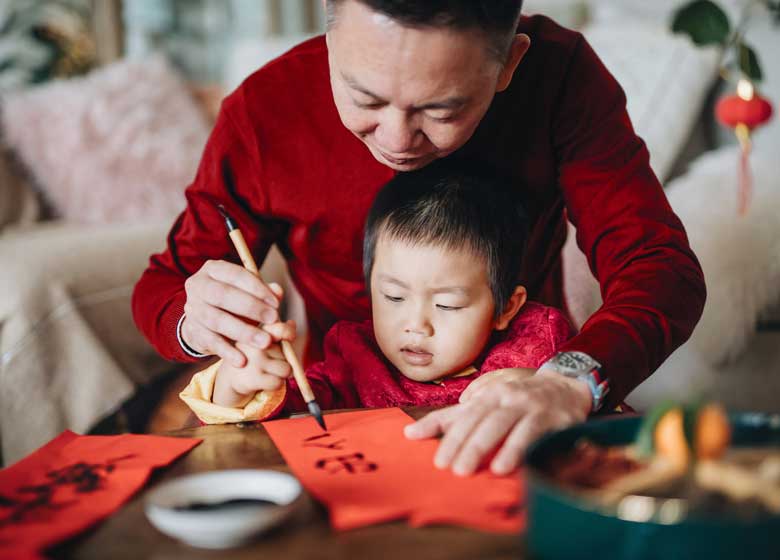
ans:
(84, 477)
(352, 464)
(337, 445)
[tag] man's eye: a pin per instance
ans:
(393, 299)
(442, 118)
(369, 105)
(448, 307)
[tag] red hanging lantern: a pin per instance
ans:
(744, 111)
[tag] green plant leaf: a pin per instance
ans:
(748, 62)
(703, 21)
(774, 8)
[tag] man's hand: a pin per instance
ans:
(507, 376)
(265, 370)
(225, 303)
(510, 406)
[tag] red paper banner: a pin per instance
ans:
(73, 482)
(365, 471)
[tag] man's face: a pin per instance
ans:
(432, 307)
(411, 95)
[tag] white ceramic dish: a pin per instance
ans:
(227, 526)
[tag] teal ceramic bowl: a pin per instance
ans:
(562, 525)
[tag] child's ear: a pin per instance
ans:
(516, 301)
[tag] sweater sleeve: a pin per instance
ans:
(651, 282)
(228, 174)
(330, 380)
(533, 337)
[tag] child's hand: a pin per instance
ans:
(507, 376)
(265, 370)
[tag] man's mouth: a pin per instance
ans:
(399, 161)
(416, 356)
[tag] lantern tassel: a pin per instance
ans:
(745, 192)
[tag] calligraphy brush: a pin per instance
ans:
(289, 354)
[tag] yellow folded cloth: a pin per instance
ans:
(198, 395)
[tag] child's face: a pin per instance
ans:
(433, 309)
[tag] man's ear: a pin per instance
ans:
(516, 301)
(520, 45)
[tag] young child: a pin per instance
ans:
(441, 256)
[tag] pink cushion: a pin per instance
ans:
(117, 145)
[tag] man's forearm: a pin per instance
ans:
(653, 310)
(158, 304)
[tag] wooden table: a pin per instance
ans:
(128, 534)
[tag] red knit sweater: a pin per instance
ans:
(355, 374)
(300, 179)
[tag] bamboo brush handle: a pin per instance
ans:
(289, 354)
(243, 252)
(298, 373)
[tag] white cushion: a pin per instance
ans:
(117, 145)
(666, 79)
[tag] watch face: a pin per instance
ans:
(569, 362)
(575, 362)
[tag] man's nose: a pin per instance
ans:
(397, 132)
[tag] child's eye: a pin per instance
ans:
(448, 307)
(393, 299)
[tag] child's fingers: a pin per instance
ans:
(277, 368)
(247, 381)
(281, 331)
(274, 352)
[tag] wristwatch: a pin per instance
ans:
(579, 365)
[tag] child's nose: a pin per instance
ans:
(419, 324)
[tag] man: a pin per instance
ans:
(300, 149)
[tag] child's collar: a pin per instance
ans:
(468, 371)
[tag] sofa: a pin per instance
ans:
(92, 172)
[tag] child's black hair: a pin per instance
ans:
(453, 204)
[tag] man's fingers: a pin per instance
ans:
(238, 302)
(430, 425)
(236, 275)
(228, 326)
(528, 430)
(508, 457)
(473, 388)
(485, 437)
(277, 290)
(231, 288)
(457, 434)
(225, 350)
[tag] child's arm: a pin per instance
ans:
(330, 381)
(224, 393)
